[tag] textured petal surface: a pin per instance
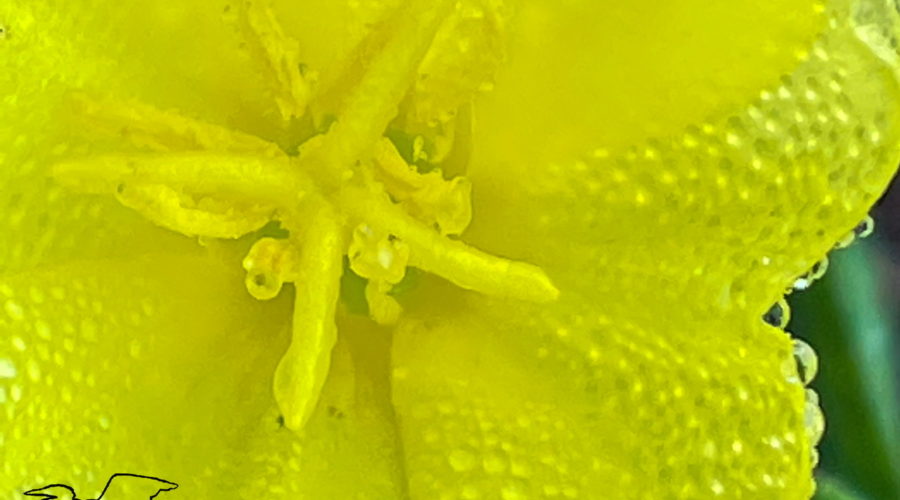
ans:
(701, 178)
(164, 366)
(586, 401)
(732, 205)
(673, 168)
(125, 347)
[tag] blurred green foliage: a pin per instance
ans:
(851, 319)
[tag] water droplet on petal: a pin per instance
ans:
(15, 393)
(14, 310)
(33, 370)
(18, 343)
(512, 492)
(801, 283)
(717, 487)
(864, 228)
(42, 329)
(470, 492)
(818, 269)
(807, 361)
(104, 422)
(815, 273)
(494, 463)
(7, 369)
(461, 460)
(813, 419)
(778, 315)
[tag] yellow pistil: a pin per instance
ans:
(202, 180)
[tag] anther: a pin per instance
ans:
(269, 264)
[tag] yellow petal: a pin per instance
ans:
(163, 366)
(583, 399)
(674, 170)
(723, 203)
(126, 347)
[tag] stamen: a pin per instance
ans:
(304, 367)
(428, 197)
(278, 55)
(455, 261)
(163, 131)
(382, 260)
(383, 309)
(269, 264)
(376, 256)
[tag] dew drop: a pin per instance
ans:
(778, 315)
(134, 349)
(519, 468)
(461, 460)
(717, 487)
(864, 228)
(18, 343)
(801, 283)
(512, 492)
(807, 361)
(15, 393)
(7, 369)
(818, 269)
(846, 241)
(33, 370)
(493, 463)
(14, 310)
(813, 419)
(42, 329)
(89, 330)
(65, 394)
(470, 492)
(815, 273)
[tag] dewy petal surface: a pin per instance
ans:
(125, 347)
(672, 196)
(673, 168)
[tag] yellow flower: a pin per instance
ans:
(530, 243)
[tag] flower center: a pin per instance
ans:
(348, 192)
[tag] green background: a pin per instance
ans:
(851, 317)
